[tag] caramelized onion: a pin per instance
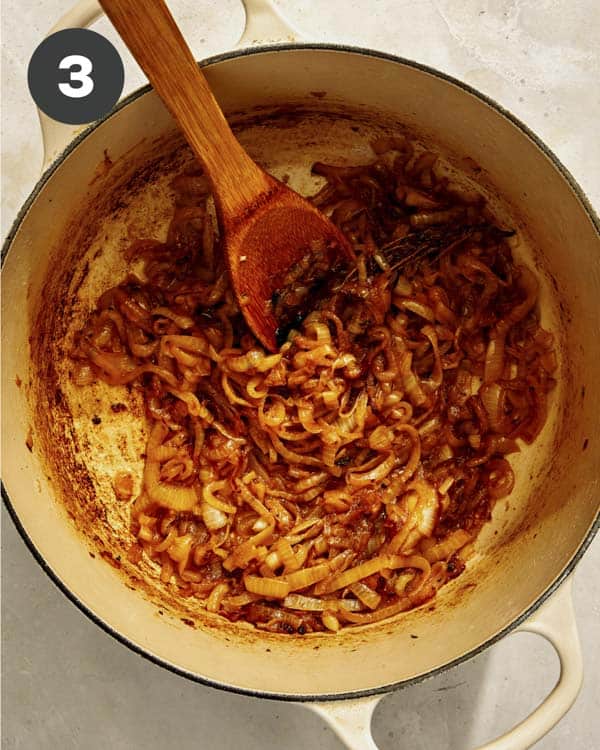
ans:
(358, 463)
(493, 398)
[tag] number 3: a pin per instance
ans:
(82, 76)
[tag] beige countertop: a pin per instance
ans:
(66, 684)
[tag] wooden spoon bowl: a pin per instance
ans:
(267, 228)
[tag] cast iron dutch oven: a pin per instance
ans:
(293, 104)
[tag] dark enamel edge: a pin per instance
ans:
(247, 691)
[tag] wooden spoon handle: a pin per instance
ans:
(148, 29)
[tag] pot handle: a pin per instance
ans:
(264, 25)
(57, 135)
(555, 621)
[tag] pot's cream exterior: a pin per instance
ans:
(532, 538)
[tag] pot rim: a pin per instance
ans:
(193, 676)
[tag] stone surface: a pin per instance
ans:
(66, 684)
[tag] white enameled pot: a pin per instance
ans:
(293, 103)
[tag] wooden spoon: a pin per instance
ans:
(266, 227)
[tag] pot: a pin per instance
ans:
(291, 105)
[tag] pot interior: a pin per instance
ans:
(62, 445)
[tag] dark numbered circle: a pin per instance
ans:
(75, 76)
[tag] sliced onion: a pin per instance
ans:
(240, 600)
(381, 438)
(365, 593)
(501, 478)
(255, 359)
(402, 605)
(494, 358)
(305, 577)
(179, 550)
(446, 548)
(208, 495)
(418, 308)
(213, 518)
(427, 506)
(375, 565)
(213, 603)
(270, 588)
(372, 472)
(492, 398)
(330, 621)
